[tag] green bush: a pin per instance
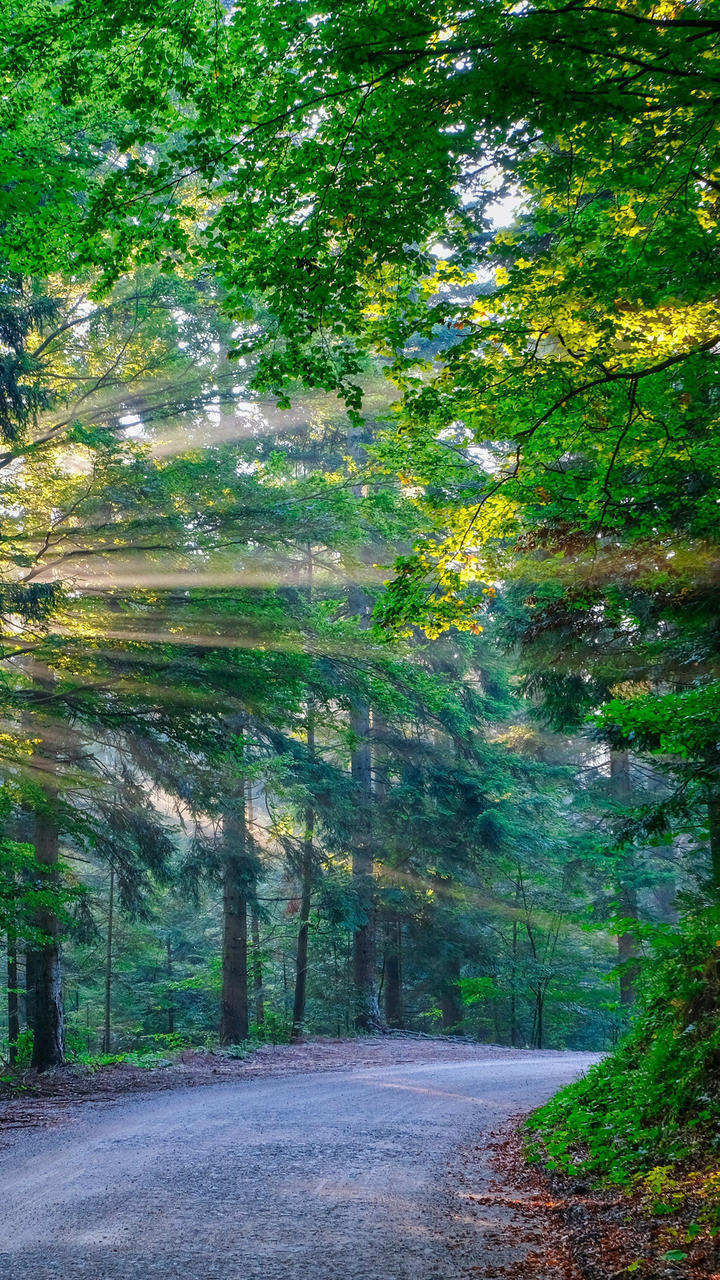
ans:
(656, 1099)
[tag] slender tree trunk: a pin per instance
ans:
(301, 963)
(628, 950)
(13, 1010)
(257, 972)
(171, 1002)
(513, 969)
(450, 1005)
(234, 1012)
(108, 962)
(258, 995)
(367, 1011)
(306, 877)
(393, 974)
(307, 865)
(627, 943)
(539, 1017)
(513, 992)
(714, 825)
(367, 1015)
(348, 985)
(29, 991)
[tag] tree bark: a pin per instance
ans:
(257, 972)
(393, 974)
(307, 869)
(367, 1010)
(13, 1010)
(367, 1015)
(258, 994)
(108, 962)
(714, 825)
(171, 1003)
(44, 981)
(627, 943)
(450, 1004)
(307, 865)
(513, 979)
(234, 1012)
(539, 1010)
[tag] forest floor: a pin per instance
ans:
(573, 1231)
(20, 1091)
(381, 1158)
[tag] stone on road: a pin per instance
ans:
(330, 1176)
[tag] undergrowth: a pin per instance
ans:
(149, 1052)
(647, 1118)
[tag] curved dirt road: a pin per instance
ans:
(331, 1176)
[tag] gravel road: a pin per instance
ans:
(327, 1176)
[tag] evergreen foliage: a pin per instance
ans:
(358, 615)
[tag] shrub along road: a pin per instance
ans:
(341, 1175)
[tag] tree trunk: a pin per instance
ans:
(108, 962)
(258, 995)
(450, 1004)
(171, 1003)
(13, 1011)
(393, 974)
(627, 943)
(628, 946)
(367, 1011)
(513, 978)
(234, 1013)
(306, 882)
(307, 866)
(304, 930)
(44, 983)
(539, 1010)
(714, 825)
(257, 973)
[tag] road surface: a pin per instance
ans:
(331, 1176)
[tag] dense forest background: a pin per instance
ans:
(359, 372)
(267, 816)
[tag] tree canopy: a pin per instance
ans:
(359, 465)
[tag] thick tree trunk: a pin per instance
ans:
(393, 974)
(13, 1010)
(108, 962)
(627, 943)
(234, 1012)
(44, 982)
(43, 975)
